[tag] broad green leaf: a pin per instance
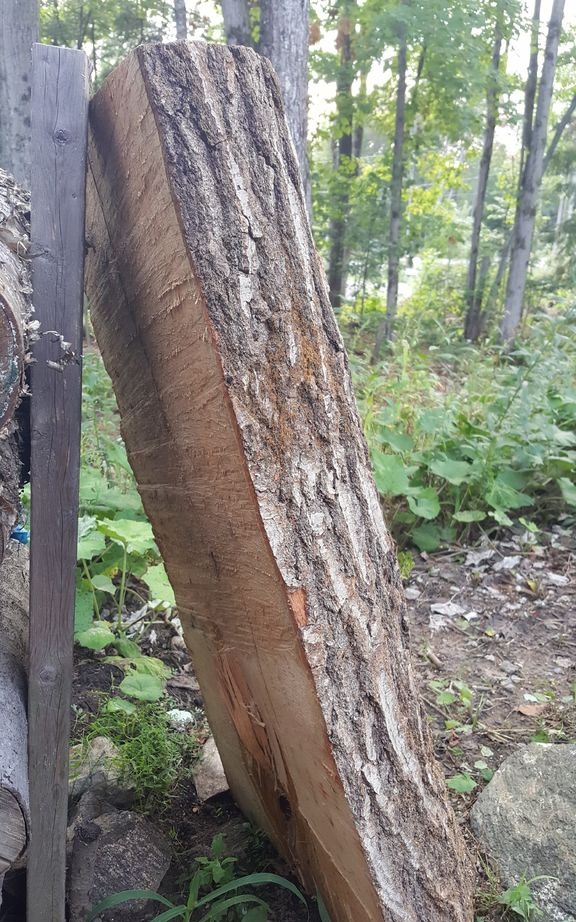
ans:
(95, 637)
(426, 537)
(127, 648)
(91, 543)
(83, 610)
(469, 515)
(158, 583)
(445, 697)
(135, 534)
(501, 517)
(149, 665)
(424, 502)
(142, 687)
(97, 496)
(103, 583)
(503, 496)
(461, 783)
(114, 705)
(398, 441)
(453, 471)
(568, 489)
(390, 474)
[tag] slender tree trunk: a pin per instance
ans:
(181, 20)
(343, 165)
(529, 94)
(284, 41)
(385, 329)
(524, 226)
(251, 462)
(236, 22)
(472, 325)
(18, 32)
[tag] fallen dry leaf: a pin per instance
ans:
(531, 710)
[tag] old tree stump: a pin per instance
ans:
(212, 314)
(14, 315)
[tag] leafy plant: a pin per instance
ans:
(231, 896)
(152, 756)
(464, 441)
(520, 900)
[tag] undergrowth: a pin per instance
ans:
(152, 757)
(465, 441)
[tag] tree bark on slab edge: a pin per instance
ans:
(14, 315)
(212, 315)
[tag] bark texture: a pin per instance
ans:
(14, 314)
(532, 178)
(212, 313)
(18, 32)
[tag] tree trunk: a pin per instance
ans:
(344, 151)
(14, 313)
(211, 311)
(386, 327)
(505, 251)
(528, 203)
(284, 40)
(18, 32)
(181, 20)
(236, 22)
(472, 324)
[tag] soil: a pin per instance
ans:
(499, 618)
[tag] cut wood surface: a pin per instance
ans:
(14, 316)
(212, 314)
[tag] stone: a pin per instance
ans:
(208, 773)
(95, 768)
(115, 851)
(525, 818)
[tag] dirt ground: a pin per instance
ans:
(494, 647)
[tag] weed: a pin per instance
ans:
(231, 898)
(151, 756)
(520, 900)
(464, 441)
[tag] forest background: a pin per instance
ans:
(437, 142)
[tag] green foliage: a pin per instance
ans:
(465, 440)
(520, 900)
(225, 897)
(115, 544)
(152, 757)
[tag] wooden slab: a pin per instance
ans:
(212, 314)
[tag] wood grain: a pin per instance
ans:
(59, 124)
(212, 314)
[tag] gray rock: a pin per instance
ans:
(115, 851)
(526, 819)
(95, 768)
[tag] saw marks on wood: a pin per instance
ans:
(211, 312)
